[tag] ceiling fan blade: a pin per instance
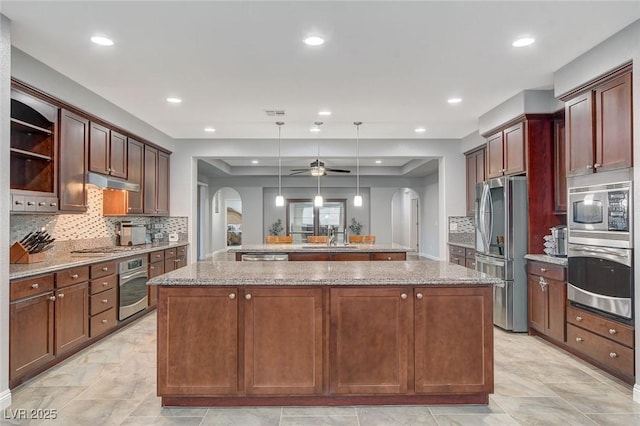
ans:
(338, 170)
(298, 172)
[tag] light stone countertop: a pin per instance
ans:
(465, 245)
(306, 248)
(57, 261)
(562, 261)
(216, 273)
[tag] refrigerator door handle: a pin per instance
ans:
(490, 234)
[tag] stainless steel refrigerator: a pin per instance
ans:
(501, 243)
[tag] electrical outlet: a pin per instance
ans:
(158, 235)
(453, 226)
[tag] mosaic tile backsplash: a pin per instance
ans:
(93, 228)
(462, 230)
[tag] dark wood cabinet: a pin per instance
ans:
(156, 182)
(560, 164)
(135, 174)
(71, 317)
(283, 341)
(163, 184)
(461, 365)
(73, 161)
(463, 256)
(506, 152)
(547, 299)
(156, 267)
(107, 151)
(599, 127)
(200, 329)
(475, 169)
(103, 290)
(369, 340)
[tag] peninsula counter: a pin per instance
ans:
(324, 333)
(324, 252)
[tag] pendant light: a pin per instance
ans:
(318, 201)
(357, 200)
(279, 197)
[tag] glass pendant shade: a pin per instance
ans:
(279, 201)
(357, 201)
(318, 201)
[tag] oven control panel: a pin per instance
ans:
(618, 211)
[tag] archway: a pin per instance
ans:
(226, 219)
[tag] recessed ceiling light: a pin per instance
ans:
(173, 100)
(420, 130)
(102, 40)
(254, 161)
(454, 100)
(313, 41)
(523, 41)
(325, 113)
(378, 161)
(209, 129)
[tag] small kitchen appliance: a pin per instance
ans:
(131, 234)
(556, 243)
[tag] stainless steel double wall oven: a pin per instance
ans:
(600, 255)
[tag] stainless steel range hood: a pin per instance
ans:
(109, 182)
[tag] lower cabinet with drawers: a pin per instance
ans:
(547, 299)
(104, 298)
(463, 256)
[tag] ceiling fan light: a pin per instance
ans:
(318, 201)
(357, 201)
(279, 201)
(317, 171)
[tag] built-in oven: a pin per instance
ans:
(133, 286)
(601, 278)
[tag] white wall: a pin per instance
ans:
(5, 85)
(608, 55)
(401, 216)
(429, 220)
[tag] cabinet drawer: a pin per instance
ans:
(612, 354)
(103, 322)
(350, 256)
(388, 256)
(102, 269)
(170, 253)
(470, 263)
(181, 251)
(72, 276)
(31, 286)
(103, 284)
(102, 301)
(547, 270)
(469, 253)
(156, 256)
(456, 251)
(613, 330)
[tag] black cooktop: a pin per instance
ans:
(107, 250)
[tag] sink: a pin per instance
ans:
(324, 247)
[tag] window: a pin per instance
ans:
(303, 219)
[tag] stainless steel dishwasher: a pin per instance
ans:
(264, 257)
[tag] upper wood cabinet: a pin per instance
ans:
(107, 151)
(506, 152)
(135, 174)
(156, 182)
(475, 161)
(560, 164)
(599, 128)
(74, 156)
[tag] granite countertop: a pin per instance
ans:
(306, 248)
(56, 261)
(211, 273)
(562, 261)
(465, 245)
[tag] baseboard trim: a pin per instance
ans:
(5, 399)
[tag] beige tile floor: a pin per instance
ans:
(114, 383)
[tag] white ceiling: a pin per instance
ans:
(390, 64)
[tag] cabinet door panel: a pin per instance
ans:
(471, 181)
(283, 341)
(613, 124)
(536, 301)
(150, 180)
(369, 340)
(30, 335)
(461, 365)
(495, 156)
(557, 310)
(118, 155)
(560, 163)
(99, 149)
(163, 184)
(72, 316)
(199, 334)
(514, 150)
(73, 159)
(135, 174)
(579, 133)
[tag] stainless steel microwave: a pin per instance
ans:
(601, 215)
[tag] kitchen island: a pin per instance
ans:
(325, 252)
(324, 333)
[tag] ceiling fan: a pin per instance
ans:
(317, 168)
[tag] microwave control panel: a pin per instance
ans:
(618, 211)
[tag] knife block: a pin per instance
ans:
(18, 254)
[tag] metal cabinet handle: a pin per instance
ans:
(247, 296)
(579, 339)
(74, 276)
(589, 166)
(613, 331)
(543, 269)
(419, 296)
(403, 296)
(61, 296)
(177, 261)
(578, 318)
(105, 301)
(543, 284)
(42, 203)
(152, 267)
(19, 203)
(104, 284)
(104, 321)
(105, 269)
(54, 204)
(597, 165)
(232, 296)
(389, 258)
(35, 285)
(52, 298)
(31, 203)
(613, 355)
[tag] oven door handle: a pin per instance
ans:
(138, 274)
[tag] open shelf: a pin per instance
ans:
(29, 154)
(23, 126)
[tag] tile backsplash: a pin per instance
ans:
(92, 225)
(462, 230)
